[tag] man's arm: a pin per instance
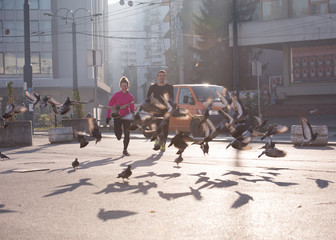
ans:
(171, 93)
(150, 91)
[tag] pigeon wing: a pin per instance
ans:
(19, 109)
(306, 128)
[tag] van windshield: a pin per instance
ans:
(204, 92)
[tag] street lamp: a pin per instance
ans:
(70, 15)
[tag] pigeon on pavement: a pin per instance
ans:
(75, 164)
(126, 173)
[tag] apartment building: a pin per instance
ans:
(52, 35)
(304, 32)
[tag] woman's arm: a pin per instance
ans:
(111, 103)
(131, 100)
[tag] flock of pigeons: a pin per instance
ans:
(236, 120)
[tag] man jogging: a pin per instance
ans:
(158, 90)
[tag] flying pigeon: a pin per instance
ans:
(66, 107)
(180, 142)
(307, 132)
(3, 156)
(178, 160)
(3, 123)
(12, 109)
(274, 129)
(75, 164)
(48, 99)
(94, 129)
(34, 97)
(271, 150)
(126, 173)
(81, 138)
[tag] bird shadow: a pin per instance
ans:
(141, 187)
(237, 173)
(5, 210)
(8, 171)
(217, 183)
(165, 176)
(171, 196)
(314, 147)
(269, 179)
(150, 161)
(70, 187)
(113, 214)
(321, 183)
(148, 174)
(242, 200)
(87, 164)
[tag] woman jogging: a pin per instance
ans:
(121, 98)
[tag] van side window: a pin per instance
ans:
(175, 93)
(185, 97)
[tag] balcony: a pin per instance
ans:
(273, 32)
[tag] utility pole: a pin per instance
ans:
(74, 58)
(235, 48)
(27, 68)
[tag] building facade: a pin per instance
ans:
(304, 32)
(51, 48)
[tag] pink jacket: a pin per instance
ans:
(122, 99)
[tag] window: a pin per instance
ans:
(45, 31)
(332, 6)
(34, 4)
(46, 63)
(20, 62)
(10, 63)
(19, 4)
(8, 31)
(272, 9)
(203, 93)
(185, 97)
(45, 4)
(8, 4)
(2, 66)
(35, 62)
(34, 30)
(300, 8)
(318, 7)
(1, 30)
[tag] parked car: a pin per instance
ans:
(193, 97)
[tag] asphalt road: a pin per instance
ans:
(224, 195)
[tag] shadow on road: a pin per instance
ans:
(113, 214)
(5, 210)
(170, 196)
(314, 147)
(141, 187)
(148, 162)
(321, 183)
(87, 164)
(70, 187)
(242, 200)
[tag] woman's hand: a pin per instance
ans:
(108, 120)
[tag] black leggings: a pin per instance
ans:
(125, 124)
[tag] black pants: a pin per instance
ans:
(119, 126)
(165, 128)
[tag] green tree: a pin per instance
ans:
(213, 50)
(78, 109)
(246, 11)
(10, 95)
